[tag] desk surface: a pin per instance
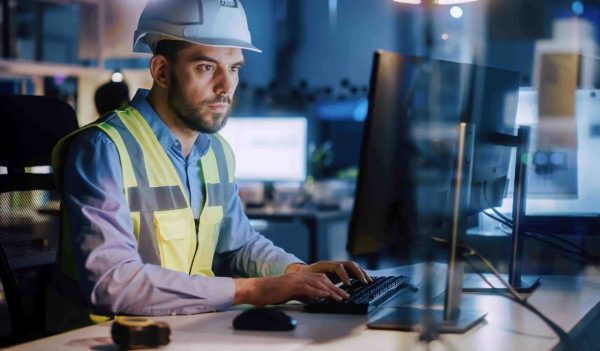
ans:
(569, 301)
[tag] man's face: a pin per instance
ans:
(201, 85)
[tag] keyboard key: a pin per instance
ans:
(363, 297)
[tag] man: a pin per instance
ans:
(111, 96)
(148, 191)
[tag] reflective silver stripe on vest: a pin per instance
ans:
(221, 159)
(133, 149)
(219, 194)
(162, 198)
(147, 240)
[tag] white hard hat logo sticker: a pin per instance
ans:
(229, 3)
(190, 32)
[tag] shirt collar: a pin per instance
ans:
(165, 136)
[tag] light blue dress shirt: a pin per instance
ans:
(113, 276)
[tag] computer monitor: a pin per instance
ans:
(414, 111)
(268, 148)
(406, 188)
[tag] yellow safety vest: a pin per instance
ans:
(160, 212)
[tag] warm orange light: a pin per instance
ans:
(439, 2)
(452, 2)
(414, 2)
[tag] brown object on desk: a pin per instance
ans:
(556, 101)
(134, 333)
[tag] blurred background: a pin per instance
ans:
(299, 111)
(316, 58)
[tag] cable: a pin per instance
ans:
(553, 236)
(580, 256)
(580, 253)
(444, 341)
(466, 250)
(533, 236)
(565, 339)
(508, 224)
(593, 258)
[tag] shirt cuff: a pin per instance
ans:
(219, 293)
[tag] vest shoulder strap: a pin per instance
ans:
(228, 155)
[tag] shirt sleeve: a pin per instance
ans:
(113, 276)
(248, 253)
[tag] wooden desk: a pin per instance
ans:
(572, 302)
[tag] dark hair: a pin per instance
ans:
(170, 48)
(111, 96)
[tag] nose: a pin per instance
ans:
(225, 84)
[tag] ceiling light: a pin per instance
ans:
(117, 77)
(439, 2)
(577, 8)
(414, 2)
(452, 2)
(456, 12)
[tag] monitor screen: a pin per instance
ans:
(409, 147)
(268, 148)
(430, 153)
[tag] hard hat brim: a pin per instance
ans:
(231, 43)
(143, 47)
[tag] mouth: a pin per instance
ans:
(219, 107)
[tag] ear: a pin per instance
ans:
(159, 67)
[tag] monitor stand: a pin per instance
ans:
(523, 284)
(474, 283)
(453, 318)
(409, 318)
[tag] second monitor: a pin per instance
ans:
(267, 148)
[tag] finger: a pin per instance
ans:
(322, 282)
(334, 289)
(356, 271)
(333, 292)
(365, 273)
(308, 292)
(340, 271)
(367, 276)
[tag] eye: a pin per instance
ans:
(236, 68)
(206, 67)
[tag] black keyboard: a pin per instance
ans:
(363, 297)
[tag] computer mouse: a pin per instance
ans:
(264, 318)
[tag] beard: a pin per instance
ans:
(192, 115)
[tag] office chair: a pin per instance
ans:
(30, 127)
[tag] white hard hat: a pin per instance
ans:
(207, 22)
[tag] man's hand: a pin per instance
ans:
(342, 270)
(300, 282)
(303, 286)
